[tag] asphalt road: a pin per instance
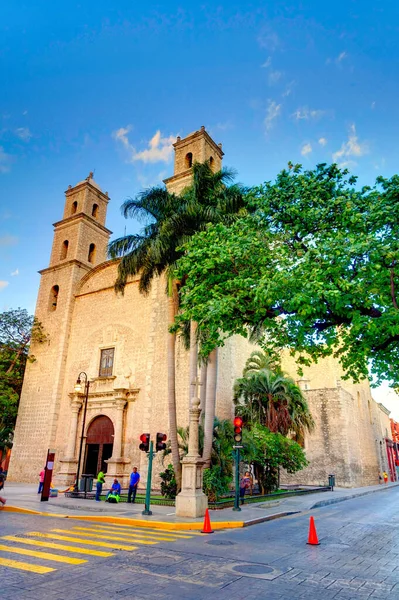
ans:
(358, 557)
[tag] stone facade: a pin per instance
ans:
(351, 429)
(83, 317)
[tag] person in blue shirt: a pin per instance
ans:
(115, 490)
(134, 481)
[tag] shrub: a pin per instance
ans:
(168, 483)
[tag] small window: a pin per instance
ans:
(74, 208)
(189, 160)
(94, 211)
(64, 250)
(54, 297)
(92, 253)
(212, 163)
(106, 362)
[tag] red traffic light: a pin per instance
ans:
(237, 429)
(145, 442)
(237, 422)
(161, 439)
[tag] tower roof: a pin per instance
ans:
(90, 180)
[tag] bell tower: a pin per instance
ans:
(79, 244)
(196, 147)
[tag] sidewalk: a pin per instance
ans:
(24, 498)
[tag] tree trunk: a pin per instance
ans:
(210, 406)
(204, 372)
(193, 361)
(172, 309)
(14, 362)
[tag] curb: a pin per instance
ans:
(352, 496)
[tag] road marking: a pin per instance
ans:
(65, 538)
(107, 537)
(53, 546)
(139, 535)
(16, 564)
(145, 530)
(43, 555)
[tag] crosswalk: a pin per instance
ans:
(91, 541)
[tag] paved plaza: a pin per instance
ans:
(358, 557)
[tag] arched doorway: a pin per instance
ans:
(99, 445)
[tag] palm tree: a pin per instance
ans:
(271, 399)
(170, 221)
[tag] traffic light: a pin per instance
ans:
(161, 439)
(145, 442)
(237, 429)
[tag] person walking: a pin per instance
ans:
(245, 483)
(41, 480)
(99, 486)
(385, 476)
(134, 481)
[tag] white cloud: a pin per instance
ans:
(8, 240)
(322, 141)
(269, 39)
(306, 149)
(15, 273)
(341, 57)
(121, 135)
(306, 113)
(23, 133)
(351, 148)
(5, 160)
(3, 284)
(372, 105)
(273, 111)
(274, 77)
(160, 149)
(267, 63)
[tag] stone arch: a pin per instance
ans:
(74, 207)
(99, 444)
(212, 162)
(64, 250)
(92, 253)
(54, 297)
(94, 211)
(189, 160)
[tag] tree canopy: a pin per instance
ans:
(17, 329)
(314, 268)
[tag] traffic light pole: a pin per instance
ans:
(147, 511)
(237, 482)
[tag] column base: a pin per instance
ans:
(67, 474)
(191, 504)
(117, 469)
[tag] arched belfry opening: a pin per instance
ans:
(54, 297)
(212, 163)
(92, 253)
(189, 160)
(64, 250)
(99, 445)
(74, 207)
(94, 212)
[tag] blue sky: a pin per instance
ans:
(87, 85)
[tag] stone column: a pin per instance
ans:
(76, 405)
(192, 502)
(117, 449)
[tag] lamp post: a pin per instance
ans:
(78, 388)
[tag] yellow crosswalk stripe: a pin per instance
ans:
(65, 538)
(113, 531)
(43, 555)
(107, 537)
(176, 534)
(16, 564)
(53, 546)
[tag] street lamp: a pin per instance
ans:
(78, 389)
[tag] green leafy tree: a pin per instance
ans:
(313, 269)
(17, 330)
(268, 452)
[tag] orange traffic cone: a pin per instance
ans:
(207, 523)
(313, 540)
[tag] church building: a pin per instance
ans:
(118, 344)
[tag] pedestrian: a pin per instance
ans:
(2, 499)
(41, 480)
(245, 483)
(115, 492)
(385, 476)
(99, 486)
(134, 481)
(380, 478)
